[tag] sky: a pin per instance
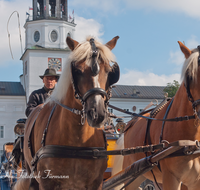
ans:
(147, 50)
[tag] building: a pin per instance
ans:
(12, 107)
(135, 98)
(45, 43)
(45, 46)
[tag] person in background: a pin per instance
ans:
(39, 96)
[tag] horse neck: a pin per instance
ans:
(72, 122)
(181, 107)
(181, 101)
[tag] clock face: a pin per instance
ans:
(36, 36)
(55, 63)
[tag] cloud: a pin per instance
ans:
(6, 9)
(177, 58)
(190, 8)
(111, 6)
(192, 42)
(87, 27)
(84, 27)
(146, 78)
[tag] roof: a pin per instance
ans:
(37, 47)
(11, 89)
(138, 92)
(120, 91)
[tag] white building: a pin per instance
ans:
(46, 34)
(46, 46)
(12, 107)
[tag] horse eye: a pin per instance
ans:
(78, 71)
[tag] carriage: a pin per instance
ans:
(62, 150)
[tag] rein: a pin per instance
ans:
(185, 118)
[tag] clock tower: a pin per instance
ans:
(45, 47)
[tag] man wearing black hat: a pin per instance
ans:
(37, 97)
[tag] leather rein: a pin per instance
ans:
(98, 152)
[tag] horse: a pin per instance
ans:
(68, 124)
(179, 172)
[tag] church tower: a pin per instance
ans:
(45, 44)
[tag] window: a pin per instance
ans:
(2, 108)
(36, 36)
(18, 108)
(54, 36)
(110, 110)
(1, 152)
(25, 68)
(1, 132)
(126, 109)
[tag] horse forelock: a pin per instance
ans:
(82, 52)
(190, 67)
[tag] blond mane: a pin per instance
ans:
(190, 67)
(81, 52)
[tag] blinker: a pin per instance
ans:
(199, 55)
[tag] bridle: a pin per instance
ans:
(195, 103)
(83, 98)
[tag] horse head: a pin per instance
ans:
(92, 76)
(191, 76)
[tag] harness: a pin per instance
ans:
(70, 151)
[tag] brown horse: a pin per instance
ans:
(84, 85)
(173, 171)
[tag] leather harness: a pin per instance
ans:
(70, 151)
(101, 152)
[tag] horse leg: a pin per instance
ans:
(170, 182)
(34, 185)
(194, 186)
(183, 187)
(22, 183)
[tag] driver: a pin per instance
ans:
(39, 96)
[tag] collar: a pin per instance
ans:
(47, 90)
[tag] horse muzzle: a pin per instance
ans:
(96, 111)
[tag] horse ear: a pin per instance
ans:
(185, 50)
(71, 43)
(111, 44)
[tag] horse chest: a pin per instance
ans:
(79, 173)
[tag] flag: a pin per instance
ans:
(70, 17)
(30, 8)
(27, 13)
(73, 12)
(45, 7)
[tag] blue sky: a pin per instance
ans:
(147, 51)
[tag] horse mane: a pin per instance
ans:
(81, 52)
(190, 67)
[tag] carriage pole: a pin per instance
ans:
(138, 168)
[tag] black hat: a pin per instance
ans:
(50, 72)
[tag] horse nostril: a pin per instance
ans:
(93, 114)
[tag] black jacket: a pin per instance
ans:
(36, 98)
